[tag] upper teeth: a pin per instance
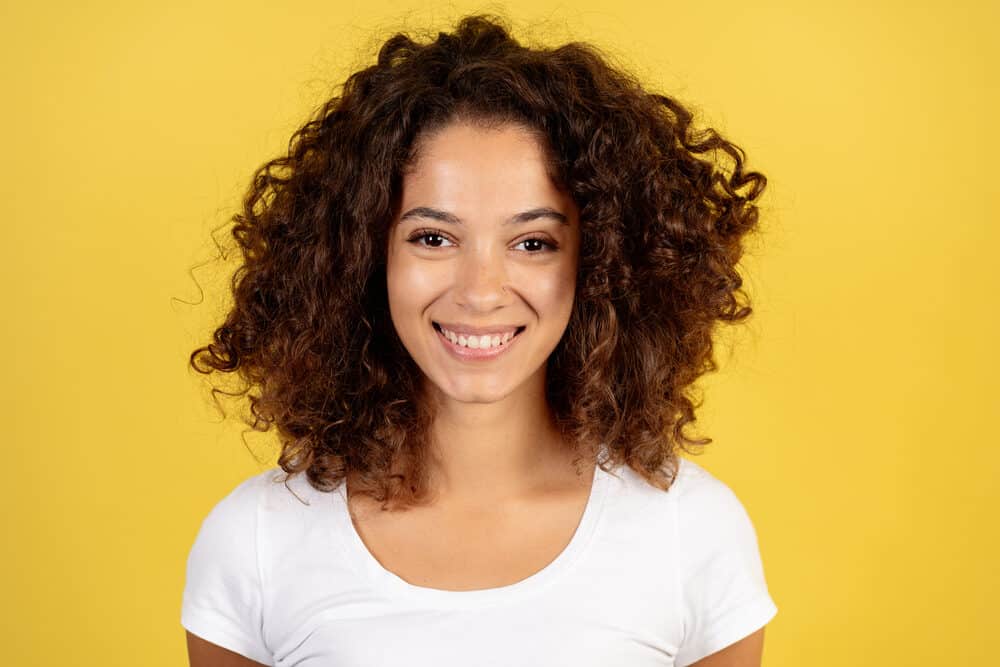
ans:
(477, 342)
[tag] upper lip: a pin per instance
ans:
(497, 329)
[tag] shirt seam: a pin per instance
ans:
(257, 562)
(678, 574)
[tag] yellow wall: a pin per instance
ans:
(855, 418)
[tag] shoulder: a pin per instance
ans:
(242, 502)
(230, 525)
(223, 597)
(271, 490)
(724, 594)
(694, 490)
(692, 477)
(702, 497)
(274, 511)
(695, 493)
(714, 531)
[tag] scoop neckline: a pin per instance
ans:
(392, 584)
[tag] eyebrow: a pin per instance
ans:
(451, 218)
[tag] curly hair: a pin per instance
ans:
(662, 223)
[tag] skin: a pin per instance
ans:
(497, 460)
(493, 437)
(746, 652)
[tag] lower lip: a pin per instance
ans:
(470, 354)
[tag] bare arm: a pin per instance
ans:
(203, 653)
(747, 652)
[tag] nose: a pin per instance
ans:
(482, 279)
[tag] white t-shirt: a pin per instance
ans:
(648, 578)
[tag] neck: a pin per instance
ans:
(484, 453)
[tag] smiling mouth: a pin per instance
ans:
(516, 333)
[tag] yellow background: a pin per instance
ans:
(854, 415)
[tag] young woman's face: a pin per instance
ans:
(483, 243)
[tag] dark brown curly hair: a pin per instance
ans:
(662, 223)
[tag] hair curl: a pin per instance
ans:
(661, 228)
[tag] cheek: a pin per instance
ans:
(401, 300)
(553, 291)
(407, 282)
(400, 272)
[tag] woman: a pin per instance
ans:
(474, 297)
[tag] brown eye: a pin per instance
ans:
(422, 234)
(537, 245)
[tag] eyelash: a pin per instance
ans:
(424, 233)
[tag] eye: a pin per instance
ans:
(424, 234)
(429, 238)
(538, 245)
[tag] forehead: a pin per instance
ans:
(493, 166)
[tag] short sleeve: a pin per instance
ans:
(724, 594)
(222, 601)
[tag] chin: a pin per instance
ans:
(476, 392)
